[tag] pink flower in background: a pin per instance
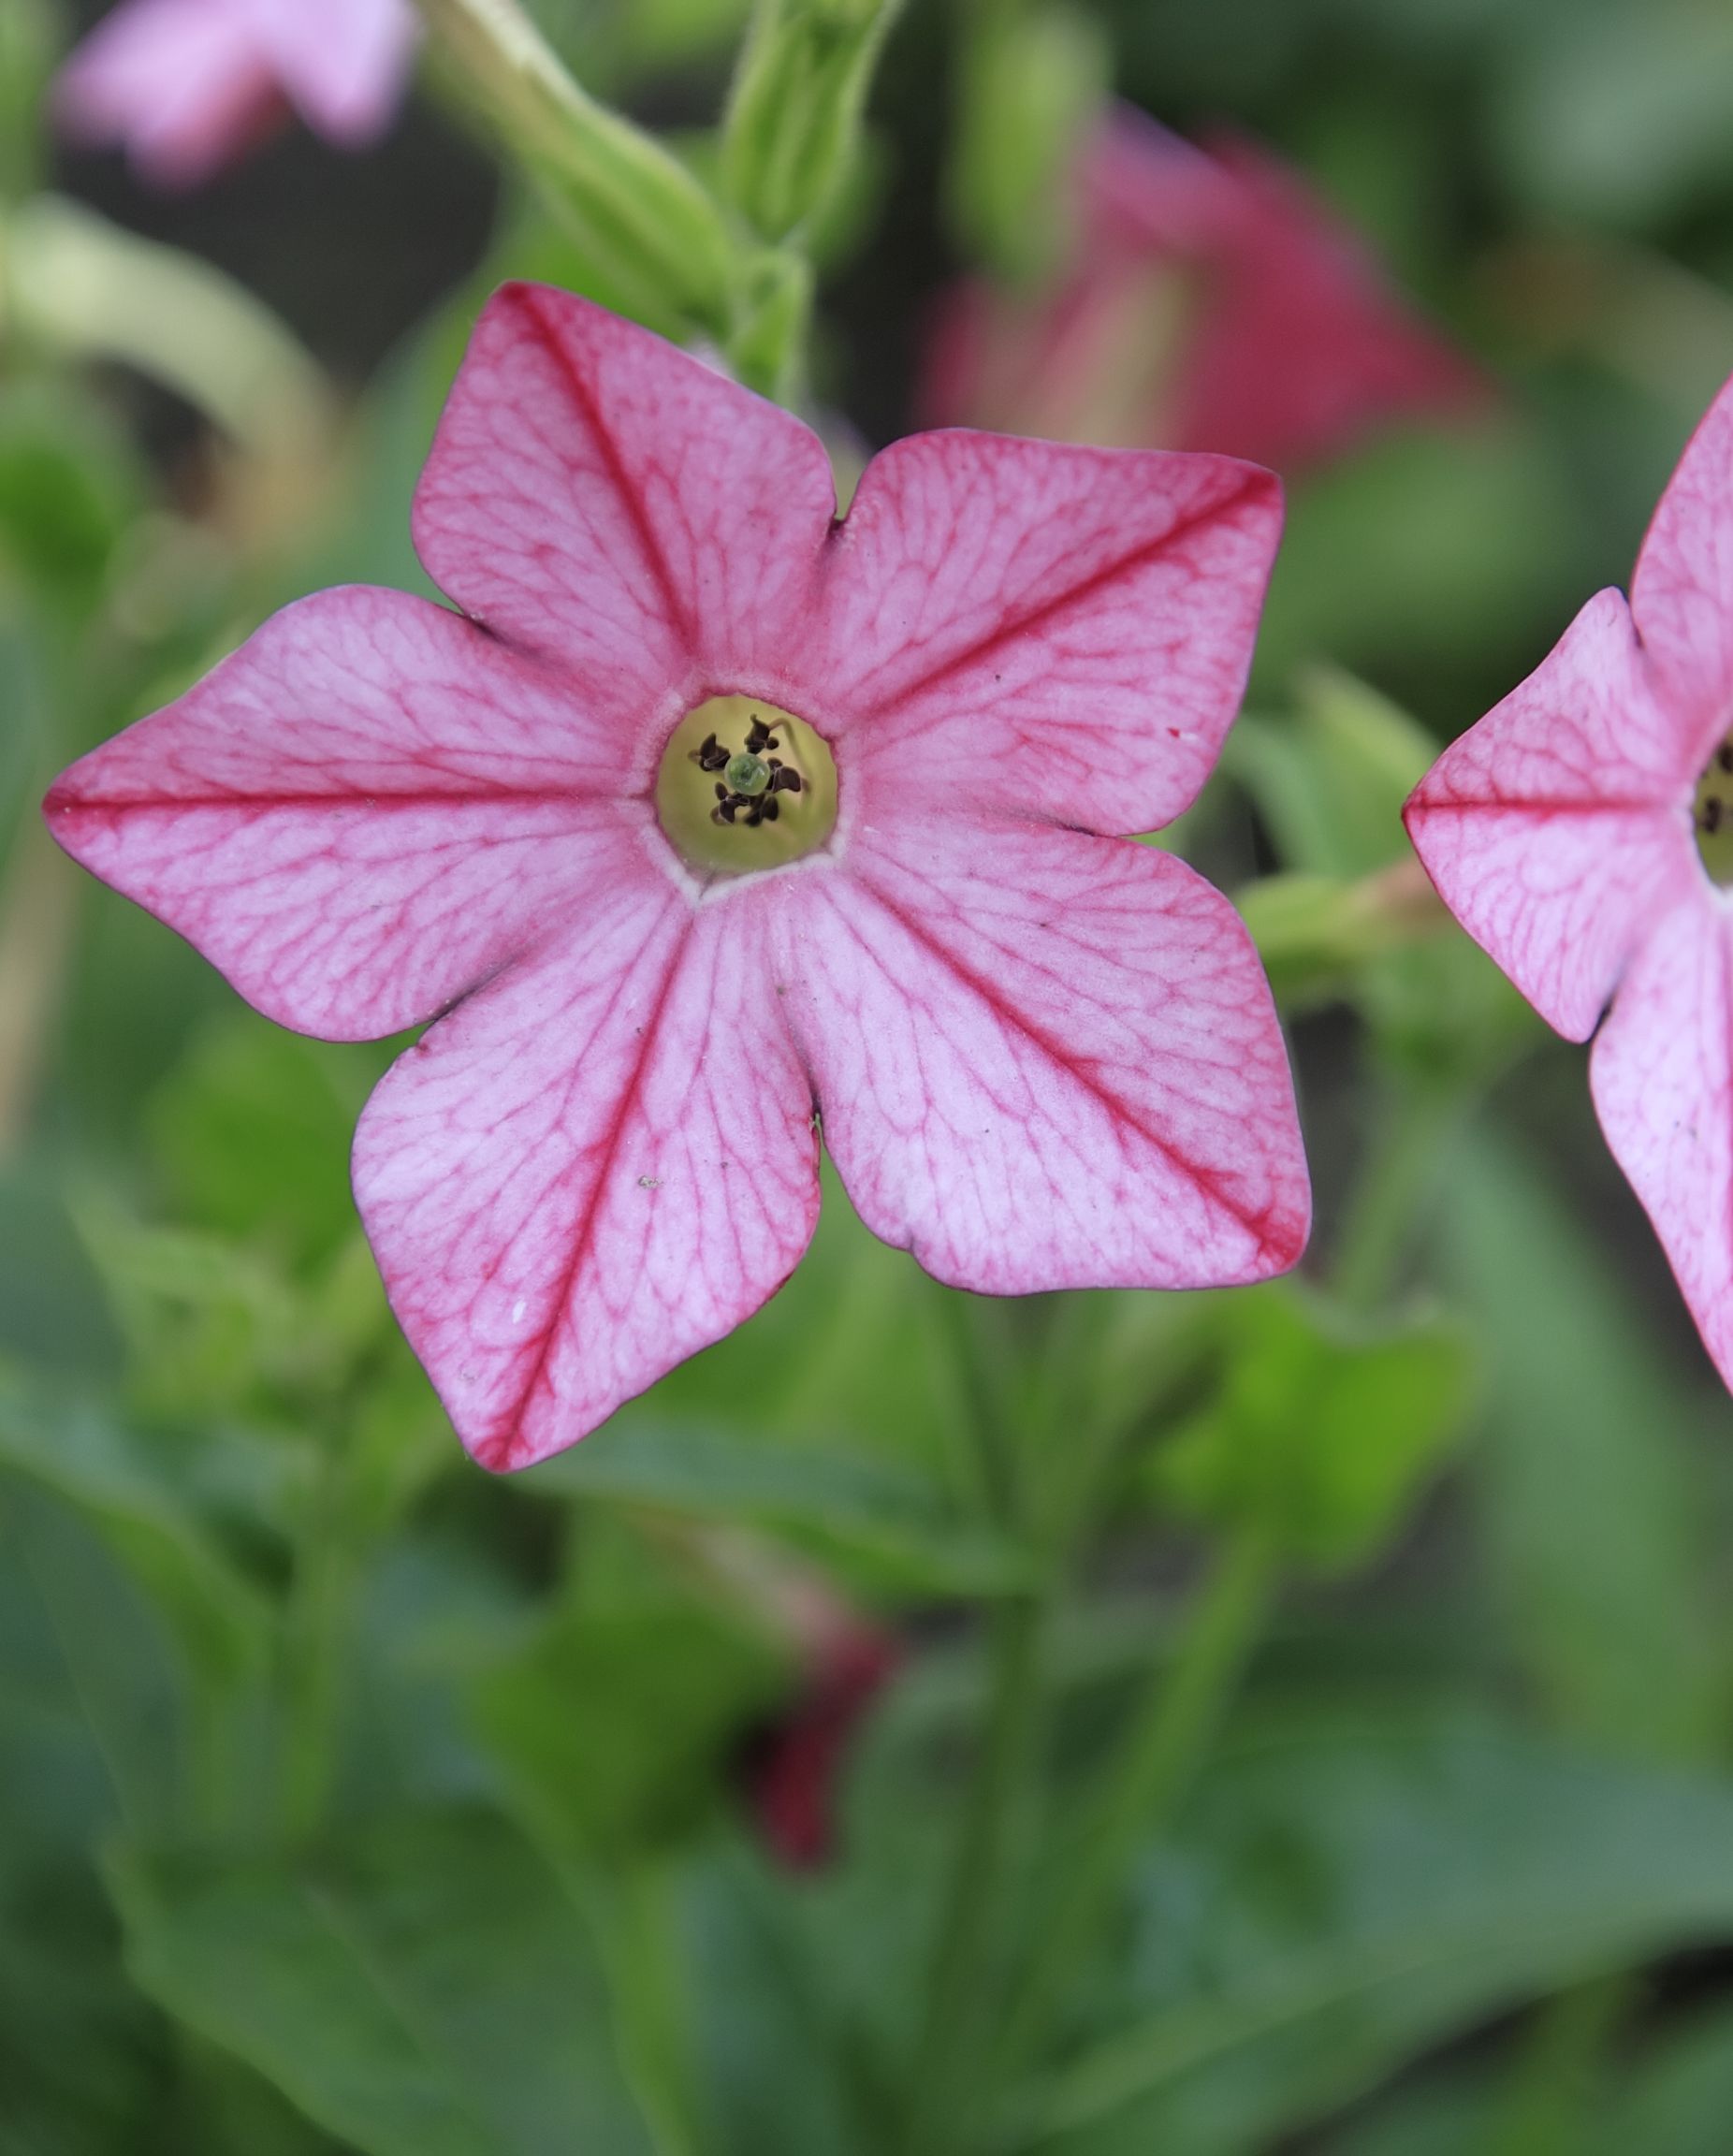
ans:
(1212, 303)
(186, 86)
(1582, 833)
(711, 816)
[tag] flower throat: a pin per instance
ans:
(744, 785)
(1712, 814)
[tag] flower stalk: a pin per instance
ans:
(660, 237)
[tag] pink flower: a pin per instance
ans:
(712, 814)
(1582, 833)
(186, 86)
(1212, 303)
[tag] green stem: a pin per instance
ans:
(1169, 1738)
(1391, 1195)
(952, 2029)
(315, 1632)
(1549, 2105)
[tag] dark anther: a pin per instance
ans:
(784, 780)
(767, 809)
(760, 739)
(708, 756)
(721, 791)
(723, 811)
(1712, 814)
(776, 763)
(1724, 756)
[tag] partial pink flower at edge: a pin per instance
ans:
(186, 86)
(1042, 1056)
(1562, 832)
(1212, 303)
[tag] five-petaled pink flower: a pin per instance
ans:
(1582, 833)
(712, 815)
(1212, 302)
(186, 86)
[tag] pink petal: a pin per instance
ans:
(181, 85)
(1662, 1072)
(1147, 190)
(343, 63)
(597, 1165)
(596, 494)
(1045, 1060)
(1682, 594)
(363, 813)
(1559, 827)
(1049, 630)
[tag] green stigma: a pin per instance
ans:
(744, 785)
(747, 775)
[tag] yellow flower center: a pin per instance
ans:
(744, 785)
(1713, 815)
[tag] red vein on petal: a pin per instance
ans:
(69, 804)
(1015, 626)
(501, 1452)
(1210, 1184)
(1592, 805)
(624, 485)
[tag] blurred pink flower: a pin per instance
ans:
(186, 86)
(1212, 303)
(1582, 833)
(1044, 1056)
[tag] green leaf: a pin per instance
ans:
(104, 1651)
(890, 1520)
(1617, 111)
(423, 1987)
(253, 1127)
(1337, 1900)
(69, 489)
(126, 1485)
(1323, 1429)
(53, 1314)
(1679, 2095)
(1331, 780)
(614, 1726)
(1593, 1512)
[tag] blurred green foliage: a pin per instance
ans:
(353, 1803)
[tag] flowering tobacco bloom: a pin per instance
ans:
(186, 86)
(1211, 303)
(1582, 833)
(711, 813)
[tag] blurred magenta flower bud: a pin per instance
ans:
(1210, 301)
(186, 86)
(795, 1764)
